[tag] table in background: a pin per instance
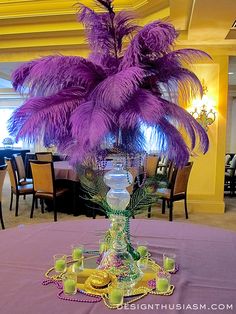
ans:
(67, 177)
(8, 152)
(207, 259)
(64, 171)
(28, 156)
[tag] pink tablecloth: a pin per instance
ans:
(63, 170)
(207, 258)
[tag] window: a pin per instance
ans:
(5, 113)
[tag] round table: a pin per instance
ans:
(206, 277)
(64, 171)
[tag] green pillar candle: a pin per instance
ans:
(69, 286)
(142, 250)
(169, 264)
(77, 253)
(162, 285)
(116, 297)
(60, 265)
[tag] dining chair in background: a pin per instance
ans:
(3, 170)
(44, 185)
(230, 178)
(177, 190)
(44, 156)
(163, 165)
(16, 188)
(228, 158)
(151, 165)
(20, 170)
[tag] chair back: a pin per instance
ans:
(180, 178)
(227, 159)
(11, 172)
(20, 167)
(3, 170)
(170, 171)
(134, 172)
(232, 164)
(44, 156)
(163, 166)
(43, 176)
(150, 165)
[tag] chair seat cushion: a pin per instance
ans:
(59, 192)
(163, 192)
(25, 189)
(26, 181)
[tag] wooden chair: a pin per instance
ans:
(177, 190)
(3, 170)
(228, 158)
(20, 170)
(44, 156)
(44, 184)
(151, 164)
(16, 188)
(163, 165)
(230, 178)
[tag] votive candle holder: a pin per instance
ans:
(69, 281)
(59, 263)
(163, 282)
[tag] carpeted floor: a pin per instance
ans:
(226, 220)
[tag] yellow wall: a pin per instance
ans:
(206, 184)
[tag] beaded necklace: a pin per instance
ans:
(141, 292)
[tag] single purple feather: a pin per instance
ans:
(90, 124)
(181, 118)
(171, 143)
(169, 69)
(115, 91)
(153, 111)
(49, 75)
(142, 107)
(109, 63)
(29, 120)
(154, 39)
(106, 31)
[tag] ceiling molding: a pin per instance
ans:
(30, 28)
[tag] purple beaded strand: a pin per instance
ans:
(58, 284)
(98, 298)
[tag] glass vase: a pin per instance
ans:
(118, 259)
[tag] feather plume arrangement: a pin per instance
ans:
(78, 103)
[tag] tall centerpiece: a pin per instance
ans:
(90, 107)
(118, 259)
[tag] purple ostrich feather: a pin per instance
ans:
(78, 103)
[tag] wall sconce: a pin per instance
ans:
(203, 110)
